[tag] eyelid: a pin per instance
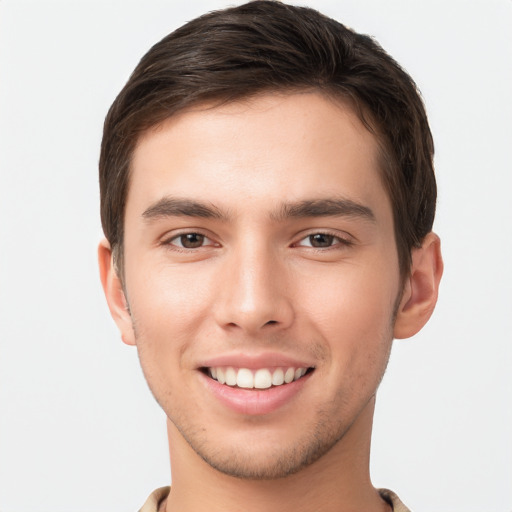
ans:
(344, 239)
(167, 240)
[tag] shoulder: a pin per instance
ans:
(393, 500)
(154, 500)
(156, 497)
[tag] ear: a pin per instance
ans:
(421, 288)
(114, 293)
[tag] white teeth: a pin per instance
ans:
(230, 377)
(289, 375)
(262, 378)
(245, 378)
(278, 377)
(220, 376)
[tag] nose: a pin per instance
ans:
(254, 295)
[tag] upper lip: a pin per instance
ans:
(255, 361)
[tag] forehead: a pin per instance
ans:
(267, 149)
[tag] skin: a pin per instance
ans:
(255, 285)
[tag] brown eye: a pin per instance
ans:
(324, 241)
(190, 240)
(321, 240)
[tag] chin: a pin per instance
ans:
(266, 459)
(248, 468)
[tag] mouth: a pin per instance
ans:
(260, 378)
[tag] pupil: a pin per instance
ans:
(192, 240)
(321, 240)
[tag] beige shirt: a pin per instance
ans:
(159, 495)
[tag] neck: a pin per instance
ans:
(337, 482)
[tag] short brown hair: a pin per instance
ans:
(266, 46)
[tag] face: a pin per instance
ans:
(261, 277)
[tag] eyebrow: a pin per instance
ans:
(177, 207)
(338, 207)
(324, 208)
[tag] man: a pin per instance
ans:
(267, 196)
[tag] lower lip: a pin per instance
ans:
(255, 401)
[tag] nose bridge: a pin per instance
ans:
(254, 294)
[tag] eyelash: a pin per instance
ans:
(169, 241)
(340, 241)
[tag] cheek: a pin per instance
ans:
(349, 296)
(168, 311)
(169, 308)
(352, 309)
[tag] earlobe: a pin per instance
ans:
(421, 288)
(114, 293)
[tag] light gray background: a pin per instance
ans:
(79, 430)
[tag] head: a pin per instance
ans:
(263, 47)
(267, 194)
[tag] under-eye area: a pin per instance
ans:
(262, 378)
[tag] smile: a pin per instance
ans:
(262, 378)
